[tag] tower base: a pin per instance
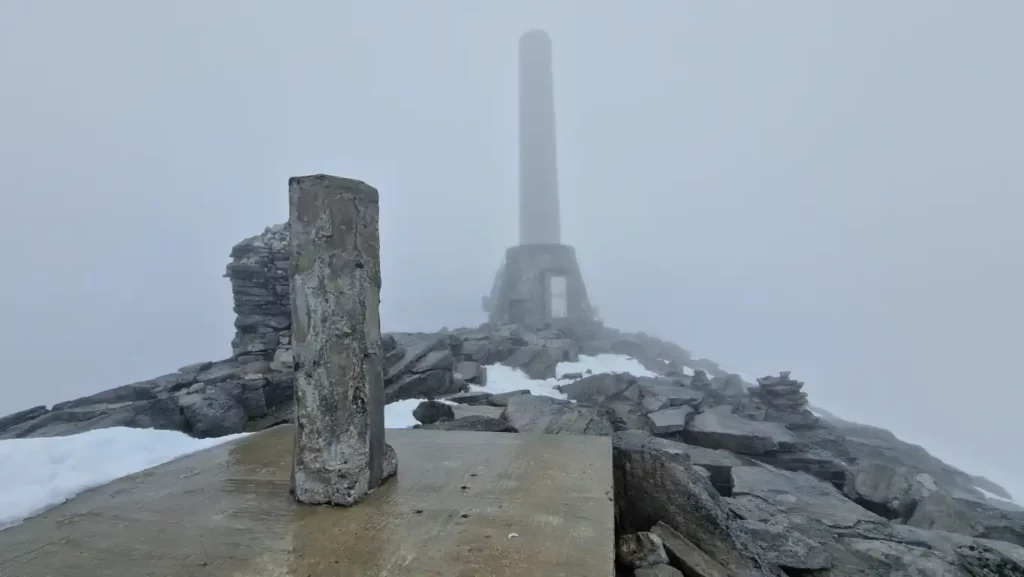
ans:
(539, 284)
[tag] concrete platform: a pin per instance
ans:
(226, 512)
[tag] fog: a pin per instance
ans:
(831, 188)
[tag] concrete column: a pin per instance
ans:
(340, 453)
(538, 159)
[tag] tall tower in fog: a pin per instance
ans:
(540, 281)
(539, 217)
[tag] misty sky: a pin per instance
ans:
(832, 188)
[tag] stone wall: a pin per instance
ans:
(259, 273)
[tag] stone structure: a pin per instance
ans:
(778, 399)
(340, 453)
(259, 272)
(781, 394)
(539, 221)
(540, 281)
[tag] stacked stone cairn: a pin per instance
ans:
(259, 272)
(781, 399)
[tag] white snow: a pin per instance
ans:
(398, 415)
(502, 379)
(44, 472)
(604, 364)
(41, 473)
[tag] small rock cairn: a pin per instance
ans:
(780, 394)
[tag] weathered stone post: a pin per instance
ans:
(340, 453)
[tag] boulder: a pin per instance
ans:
(659, 394)
(436, 383)
(480, 410)
(22, 416)
(719, 428)
(658, 571)
(717, 463)
(687, 556)
(982, 559)
(539, 414)
(942, 511)
(212, 412)
(602, 388)
(162, 413)
(537, 362)
(429, 412)
(813, 461)
(471, 372)
(892, 492)
(469, 398)
(479, 423)
(641, 549)
(670, 421)
(796, 493)
(786, 548)
(501, 399)
(792, 517)
(412, 353)
(655, 481)
(700, 379)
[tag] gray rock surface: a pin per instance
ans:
(655, 481)
(760, 483)
(890, 491)
(340, 455)
(430, 412)
(260, 275)
(720, 428)
(659, 571)
(670, 421)
(687, 556)
(642, 549)
(942, 511)
(537, 414)
(212, 412)
(479, 423)
(785, 548)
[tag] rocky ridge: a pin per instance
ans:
(714, 476)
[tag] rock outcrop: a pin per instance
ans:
(203, 399)
(259, 272)
(730, 477)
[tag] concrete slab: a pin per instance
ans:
(226, 512)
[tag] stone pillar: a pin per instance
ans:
(538, 162)
(340, 453)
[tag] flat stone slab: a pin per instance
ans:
(452, 511)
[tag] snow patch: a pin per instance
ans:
(398, 415)
(44, 472)
(502, 379)
(605, 363)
